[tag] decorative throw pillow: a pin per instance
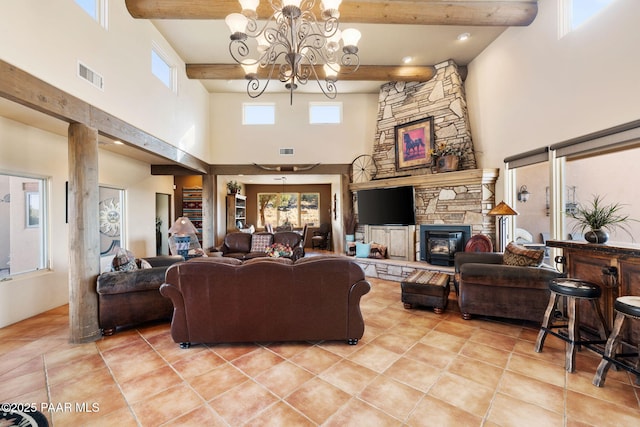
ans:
(260, 242)
(521, 256)
(143, 263)
(124, 261)
(362, 250)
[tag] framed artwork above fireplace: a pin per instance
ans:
(414, 142)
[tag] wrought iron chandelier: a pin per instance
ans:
(292, 45)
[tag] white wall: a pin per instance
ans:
(528, 89)
(233, 143)
(48, 38)
(25, 149)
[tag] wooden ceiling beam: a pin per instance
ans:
(385, 73)
(419, 12)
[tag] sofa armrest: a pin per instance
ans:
(298, 252)
(462, 258)
(356, 322)
(118, 282)
(179, 329)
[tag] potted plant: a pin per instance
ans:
(233, 187)
(447, 156)
(350, 225)
(596, 218)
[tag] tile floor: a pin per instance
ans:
(412, 368)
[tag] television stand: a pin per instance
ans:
(399, 240)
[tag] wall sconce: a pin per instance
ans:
(523, 194)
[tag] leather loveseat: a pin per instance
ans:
(128, 298)
(245, 246)
(225, 300)
(487, 287)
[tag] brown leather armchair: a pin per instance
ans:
(487, 287)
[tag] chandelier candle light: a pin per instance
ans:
(293, 45)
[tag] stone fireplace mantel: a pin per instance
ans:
(461, 197)
(434, 180)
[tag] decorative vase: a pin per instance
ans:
(447, 163)
(596, 236)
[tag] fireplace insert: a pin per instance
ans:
(442, 246)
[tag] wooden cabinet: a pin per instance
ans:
(236, 211)
(399, 240)
(616, 269)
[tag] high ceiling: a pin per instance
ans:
(425, 30)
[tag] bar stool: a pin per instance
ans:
(625, 307)
(572, 290)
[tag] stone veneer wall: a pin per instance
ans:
(442, 97)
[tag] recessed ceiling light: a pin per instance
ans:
(118, 142)
(464, 36)
(407, 59)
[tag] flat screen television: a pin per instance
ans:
(386, 206)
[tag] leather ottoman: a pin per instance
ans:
(426, 288)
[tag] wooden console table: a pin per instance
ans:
(615, 267)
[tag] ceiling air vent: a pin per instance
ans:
(91, 76)
(286, 151)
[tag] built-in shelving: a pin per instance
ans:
(236, 212)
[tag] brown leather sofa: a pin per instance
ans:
(487, 287)
(225, 300)
(127, 298)
(240, 245)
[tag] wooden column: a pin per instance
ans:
(84, 238)
(208, 211)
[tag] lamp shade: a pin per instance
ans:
(236, 22)
(183, 225)
(330, 4)
(249, 4)
(331, 71)
(351, 37)
(250, 70)
(503, 209)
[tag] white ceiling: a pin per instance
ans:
(207, 42)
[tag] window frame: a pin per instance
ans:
(100, 14)
(324, 105)
(248, 105)
(27, 193)
(278, 197)
(566, 15)
(163, 57)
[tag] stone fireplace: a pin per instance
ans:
(440, 242)
(452, 198)
(446, 200)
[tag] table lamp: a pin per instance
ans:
(501, 210)
(181, 231)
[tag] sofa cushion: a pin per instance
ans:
(521, 256)
(260, 242)
(238, 242)
(123, 261)
(290, 238)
